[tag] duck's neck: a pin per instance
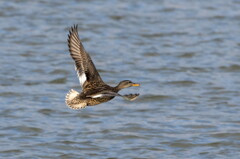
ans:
(117, 88)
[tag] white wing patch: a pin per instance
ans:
(81, 76)
(104, 94)
(82, 79)
(97, 96)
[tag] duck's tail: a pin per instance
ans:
(73, 102)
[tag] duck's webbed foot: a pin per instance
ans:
(130, 97)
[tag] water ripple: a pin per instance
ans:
(185, 55)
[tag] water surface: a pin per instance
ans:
(184, 53)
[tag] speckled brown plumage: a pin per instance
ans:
(94, 90)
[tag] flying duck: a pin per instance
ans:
(94, 90)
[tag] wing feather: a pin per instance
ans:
(85, 68)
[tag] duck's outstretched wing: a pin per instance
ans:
(85, 68)
(101, 94)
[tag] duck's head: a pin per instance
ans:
(126, 84)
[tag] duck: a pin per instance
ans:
(94, 90)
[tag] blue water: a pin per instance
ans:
(185, 54)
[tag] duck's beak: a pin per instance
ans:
(135, 84)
